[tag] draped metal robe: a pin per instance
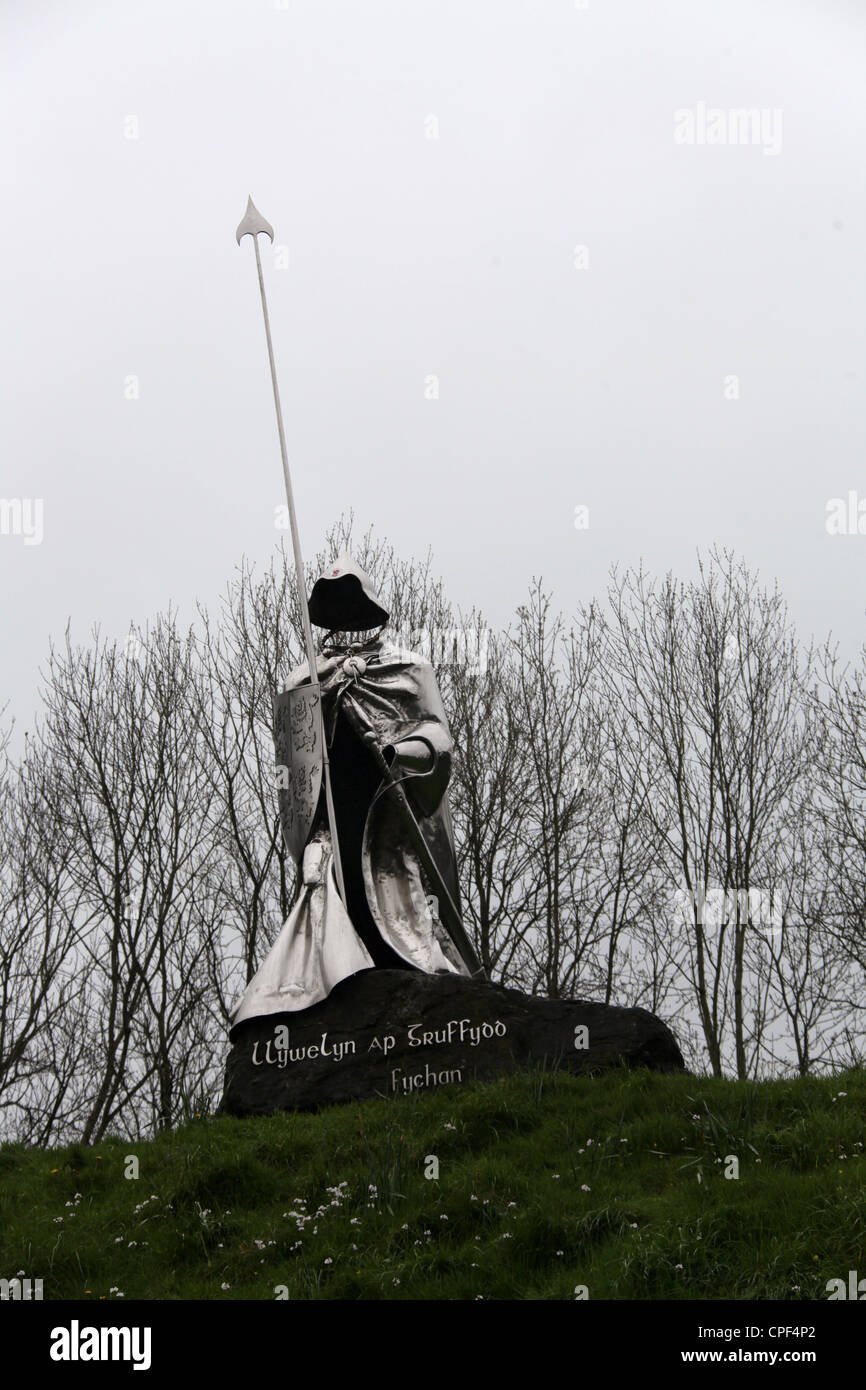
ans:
(396, 698)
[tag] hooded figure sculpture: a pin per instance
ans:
(384, 722)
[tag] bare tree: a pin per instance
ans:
(841, 699)
(711, 683)
(116, 734)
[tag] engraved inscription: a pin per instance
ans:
(401, 1079)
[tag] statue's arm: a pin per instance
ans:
(301, 674)
(425, 752)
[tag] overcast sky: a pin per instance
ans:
(693, 375)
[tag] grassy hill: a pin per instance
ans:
(546, 1182)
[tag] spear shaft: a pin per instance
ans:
(252, 224)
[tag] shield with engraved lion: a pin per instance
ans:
(298, 742)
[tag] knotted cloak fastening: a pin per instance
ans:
(396, 699)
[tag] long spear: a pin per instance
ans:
(251, 225)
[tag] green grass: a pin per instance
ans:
(337, 1205)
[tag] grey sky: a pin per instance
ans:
(412, 256)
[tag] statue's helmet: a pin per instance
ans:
(343, 599)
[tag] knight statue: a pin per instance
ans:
(388, 751)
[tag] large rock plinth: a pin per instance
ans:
(395, 1032)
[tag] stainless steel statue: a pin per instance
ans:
(389, 752)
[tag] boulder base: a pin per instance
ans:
(394, 1032)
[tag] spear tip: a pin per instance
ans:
(252, 223)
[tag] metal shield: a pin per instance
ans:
(298, 741)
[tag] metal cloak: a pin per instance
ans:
(381, 689)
